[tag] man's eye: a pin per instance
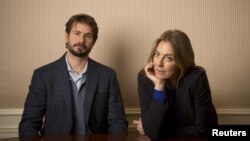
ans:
(89, 36)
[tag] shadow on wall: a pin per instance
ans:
(126, 70)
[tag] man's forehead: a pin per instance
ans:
(81, 26)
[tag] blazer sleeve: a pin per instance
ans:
(117, 122)
(34, 108)
(152, 112)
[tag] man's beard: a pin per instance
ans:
(85, 52)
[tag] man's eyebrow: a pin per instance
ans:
(88, 33)
(75, 30)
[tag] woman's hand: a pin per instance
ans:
(150, 73)
(138, 125)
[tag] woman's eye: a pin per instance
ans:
(156, 54)
(169, 58)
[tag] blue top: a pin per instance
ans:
(168, 96)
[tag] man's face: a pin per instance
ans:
(80, 40)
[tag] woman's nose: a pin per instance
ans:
(159, 62)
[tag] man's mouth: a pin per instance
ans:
(80, 46)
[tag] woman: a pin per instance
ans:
(174, 93)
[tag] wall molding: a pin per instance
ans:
(233, 111)
(219, 111)
(10, 118)
(11, 112)
(132, 111)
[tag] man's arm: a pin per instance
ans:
(117, 122)
(34, 108)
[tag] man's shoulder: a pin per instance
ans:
(101, 67)
(51, 66)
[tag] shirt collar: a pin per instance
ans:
(71, 70)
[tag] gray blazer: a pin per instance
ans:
(48, 106)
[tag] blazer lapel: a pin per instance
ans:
(62, 75)
(91, 86)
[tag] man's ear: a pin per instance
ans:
(66, 37)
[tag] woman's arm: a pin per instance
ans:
(152, 111)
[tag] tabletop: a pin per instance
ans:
(130, 136)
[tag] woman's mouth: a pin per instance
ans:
(159, 71)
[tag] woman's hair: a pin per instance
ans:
(83, 18)
(183, 52)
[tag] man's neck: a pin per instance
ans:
(76, 63)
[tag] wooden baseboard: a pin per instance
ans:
(10, 118)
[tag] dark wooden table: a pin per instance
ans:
(131, 136)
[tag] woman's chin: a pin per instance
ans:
(161, 77)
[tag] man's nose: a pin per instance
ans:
(82, 40)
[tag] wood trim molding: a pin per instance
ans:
(10, 118)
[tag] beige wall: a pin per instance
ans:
(32, 35)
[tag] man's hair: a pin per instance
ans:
(83, 18)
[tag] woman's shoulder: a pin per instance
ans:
(195, 71)
(194, 74)
(193, 78)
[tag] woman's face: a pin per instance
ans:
(164, 62)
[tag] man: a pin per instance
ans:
(75, 94)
